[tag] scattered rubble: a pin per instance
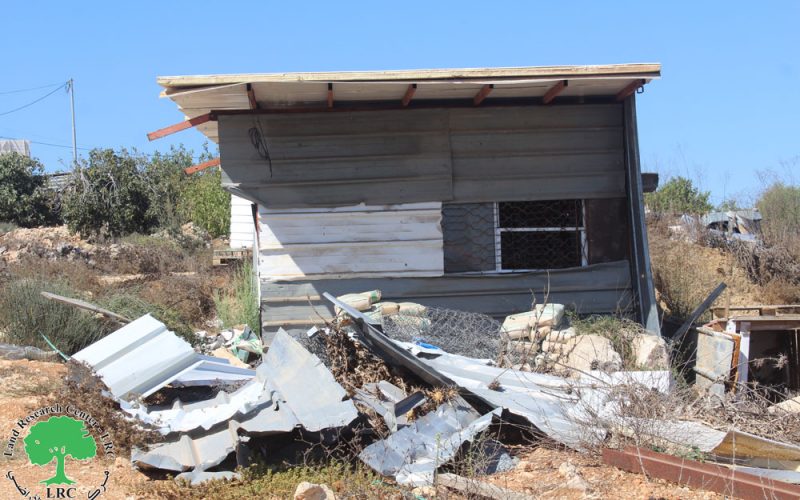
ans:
(405, 398)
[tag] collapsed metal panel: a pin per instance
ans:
(143, 356)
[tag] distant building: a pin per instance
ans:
(20, 146)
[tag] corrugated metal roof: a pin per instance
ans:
(198, 95)
(143, 356)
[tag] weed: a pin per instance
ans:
(132, 306)
(239, 303)
(25, 314)
(259, 481)
(617, 329)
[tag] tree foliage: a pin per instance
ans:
(58, 438)
(25, 198)
(108, 194)
(679, 196)
(116, 193)
(205, 203)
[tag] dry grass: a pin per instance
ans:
(84, 390)
(352, 480)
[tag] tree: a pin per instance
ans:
(25, 198)
(59, 438)
(108, 194)
(678, 196)
(205, 203)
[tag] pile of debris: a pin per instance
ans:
(408, 406)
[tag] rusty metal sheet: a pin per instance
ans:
(699, 475)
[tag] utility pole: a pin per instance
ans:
(71, 90)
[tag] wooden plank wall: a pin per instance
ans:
(600, 288)
(242, 226)
(461, 155)
(537, 153)
(338, 159)
(356, 241)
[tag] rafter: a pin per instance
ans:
(251, 96)
(553, 91)
(412, 88)
(193, 122)
(630, 89)
(482, 94)
(202, 166)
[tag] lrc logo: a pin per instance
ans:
(61, 492)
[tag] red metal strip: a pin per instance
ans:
(197, 120)
(699, 475)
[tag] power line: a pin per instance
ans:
(19, 91)
(49, 144)
(64, 85)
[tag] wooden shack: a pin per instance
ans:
(470, 189)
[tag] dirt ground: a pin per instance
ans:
(27, 385)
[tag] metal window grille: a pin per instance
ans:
(514, 236)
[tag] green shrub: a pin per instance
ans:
(25, 199)
(678, 196)
(108, 195)
(166, 179)
(779, 205)
(25, 314)
(117, 192)
(205, 203)
(239, 303)
(132, 306)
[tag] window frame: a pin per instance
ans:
(498, 231)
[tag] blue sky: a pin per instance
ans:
(727, 106)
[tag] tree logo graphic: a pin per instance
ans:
(59, 438)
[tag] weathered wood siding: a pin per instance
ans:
(243, 228)
(462, 155)
(601, 288)
(356, 241)
(537, 153)
(339, 159)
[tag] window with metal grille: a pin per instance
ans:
(514, 236)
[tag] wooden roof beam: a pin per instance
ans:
(193, 122)
(553, 91)
(630, 89)
(482, 94)
(330, 95)
(202, 166)
(251, 97)
(409, 94)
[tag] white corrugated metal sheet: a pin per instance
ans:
(143, 356)
(242, 227)
(356, 241)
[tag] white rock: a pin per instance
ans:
(312, 491)
(591, 352)
(650, 352)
